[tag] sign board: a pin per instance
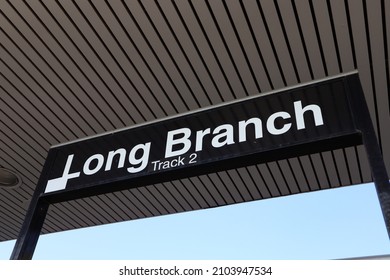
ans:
(257, 129)
(308, 118)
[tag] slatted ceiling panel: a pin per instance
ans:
(324, 25)
(77, 68)
(187, 64)
(79, 92)
(364, 165)
(245, 34)
(173, 201)
(177, 195)
(238, 57)
(293, 38)
(278, 43)
(330, 169)
(206, 21)
(263, 44)
(160, 46)
(342, 34)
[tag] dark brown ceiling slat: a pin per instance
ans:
(279, 178)
(320, 171)
(250, 183)
(294, 40)
(342, 34)
(277, 38)
(365, 166)
(310, 174)
(331, 169)
(321, 14)
(263, 44)
(134, 65)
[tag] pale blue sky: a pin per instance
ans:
(339, 223)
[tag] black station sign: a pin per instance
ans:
(267, 127)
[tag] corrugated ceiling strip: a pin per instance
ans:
(21, 155)
(278, 42)
(181, 200)
(71, 71)
(331, 169)
(74, 214)
(187, 84)
(94, 30)
(26, 86)
(309, 37)
(292, 35)
(250, 183)
(263, 44)
(319, 167)
(211, 188)
(10, 220)
(289, 176)
(184, 192)
(160, 81)
(223, 28)
(278, 178)
(154, 200)
(258, 182)
(309, 172)
(17, 127)
(85, 72)
(154, 209)
(240, 184)
(135, 65)
(25, 142)
(365, 167)
(341, 167)
(60, 218)
(221, 188)
(156, 193)
(91, 48)
(137, 203)
(63, 80)
(119, 207)
(185, 52)
(246, 33)
(269, 180)
(173, 201)
(43, 73)
(129, 206)
(230, 186)
(326, 38)
(204, 48)
(190, 44)
(151, 28)
(109, 208)
(207, 23)
(353, 165)
(197, 193)
(288, 43)
(342, 34)
(204, 191)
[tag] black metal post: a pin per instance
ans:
(35, 217)
(362, 117)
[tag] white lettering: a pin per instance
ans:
(224, 138)
(184, 141)
(87, 165)
(121, 162)
(271, 123)
(242, 128)
(142, 160)
(299, 111)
